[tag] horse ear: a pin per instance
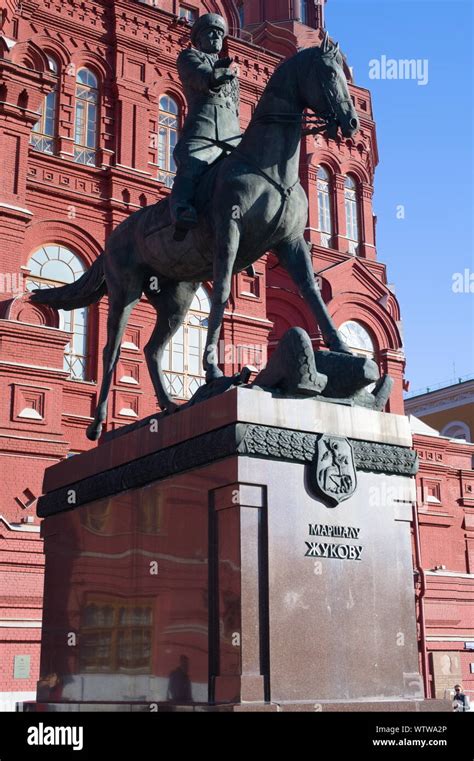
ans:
(326, 42)
(336, 48)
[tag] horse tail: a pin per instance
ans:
(87, 290)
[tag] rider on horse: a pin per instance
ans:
(211, 127)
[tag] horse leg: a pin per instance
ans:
(226, 251)
(295, 258)
(171, 304)
(121, 303)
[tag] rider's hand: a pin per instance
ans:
(222, 76)
(222, 73)
(222, 63)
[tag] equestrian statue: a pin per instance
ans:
(235, 197)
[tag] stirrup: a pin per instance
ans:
(180, 233)
(186, 219)
(186, 216)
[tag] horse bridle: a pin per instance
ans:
(310, 125)
(320, 122)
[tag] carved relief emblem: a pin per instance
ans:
(332, 472)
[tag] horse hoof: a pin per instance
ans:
(93, 431)
(213, 373)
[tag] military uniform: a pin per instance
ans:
(211, 124)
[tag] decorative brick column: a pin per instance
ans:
(26, 80)
(367, 243)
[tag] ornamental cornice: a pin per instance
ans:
(440, 400)
(67, 20)
(237, 439)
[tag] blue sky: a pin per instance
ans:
(425, 137)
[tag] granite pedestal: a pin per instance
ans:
(192, 563)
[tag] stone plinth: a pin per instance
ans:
(195, 560)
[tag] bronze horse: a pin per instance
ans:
(249, 202)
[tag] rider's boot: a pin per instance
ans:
(183, 213)
(185, 219)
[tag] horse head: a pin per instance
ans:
(323, 88)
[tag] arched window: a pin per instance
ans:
(324, 206)
(182, 359)
(86, 118)
(168, 123)
(43, 133)
(50, 266)
(358, 338)
(241, 11)
(457, 430)
(352, 213)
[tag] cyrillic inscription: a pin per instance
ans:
(330, 549)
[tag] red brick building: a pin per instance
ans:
(90, 108)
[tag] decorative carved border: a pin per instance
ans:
(235, 439)
(284, 444)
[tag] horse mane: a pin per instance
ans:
(285, 77)
(289, 66)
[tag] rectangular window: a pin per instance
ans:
(116, 636)
(324, 210)
(42, 134)
(85, 125)
(324, 213)
(351, 220)
(80, 121)
(50, 108)
(190, 14)
(304, 11)
(91, 125)
(182, 357)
